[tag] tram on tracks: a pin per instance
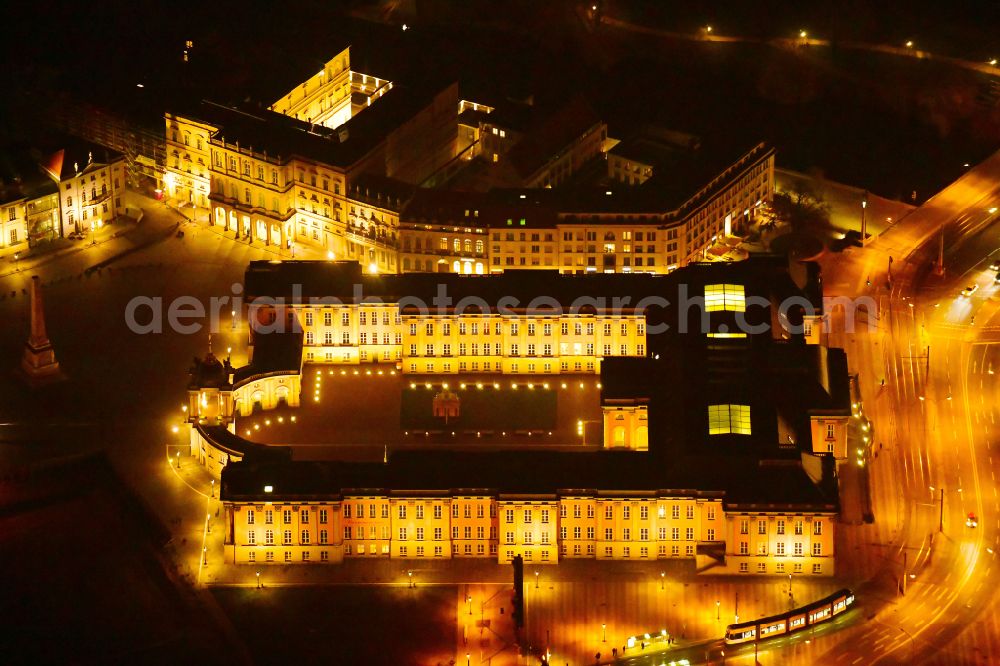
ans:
(795, 620)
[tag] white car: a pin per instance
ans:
(971, 521)
(970, 290)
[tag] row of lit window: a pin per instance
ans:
(345, 318)
(779, 549)
(514, 328)
(779, 527)
(515, 349)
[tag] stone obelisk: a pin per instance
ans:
(39, 364)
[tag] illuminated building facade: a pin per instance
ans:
(545, 339)
(333, 165)
(317, 168)
(91, 183)
(29, 208)
(725, 474)
(618, 230)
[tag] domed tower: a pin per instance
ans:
(210, 393)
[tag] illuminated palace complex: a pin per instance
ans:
(414, 178)
(720, 447)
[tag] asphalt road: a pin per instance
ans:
(937, 417)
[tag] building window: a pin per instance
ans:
(728, 419)
(725, 297)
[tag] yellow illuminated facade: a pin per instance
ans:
(719, 534)
(334, 95)
(287, 201)
(625, 426)
(629, 526)
(290, 201)
(24, 215)
(464, 343)
(779, 543)
(92, 196)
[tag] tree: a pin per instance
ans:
(800, 209)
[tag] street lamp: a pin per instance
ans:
(662, 576)
(941, 510)
(536, 579)
(258, 580)
(468, 657)
(718, 609)
(178, 460)
(213, 487)
(17, 256)
(208, 523)
(469, 599)
(410, 577)
(204, 555)
(604, 633)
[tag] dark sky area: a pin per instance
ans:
(890, 123)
